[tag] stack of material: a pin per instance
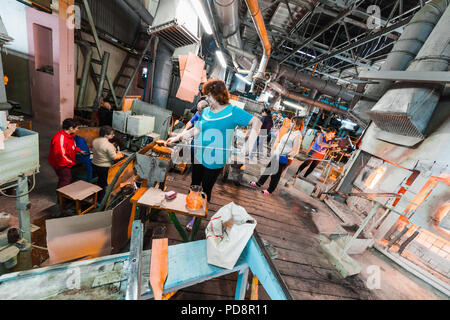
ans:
(192, 74)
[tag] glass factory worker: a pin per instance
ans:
(319, 150)
(285, 152)
(213, 134)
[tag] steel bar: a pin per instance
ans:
(135, 262)
(85, 76)
(99, 49)
(409, 76)
(358, 43)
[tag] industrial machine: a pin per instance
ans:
(142, 124)
(19, 160)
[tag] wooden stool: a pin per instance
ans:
(78, 191)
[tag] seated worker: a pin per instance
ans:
(105, 113)
(104, 156)
(319, 150)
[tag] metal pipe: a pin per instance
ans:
(139, 8)
(105, 62)
(85, 75)
(163, 75)
(311, 82)
(404, 50)
(258, 21)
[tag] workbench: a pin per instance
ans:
(106, 278)
(153, 199)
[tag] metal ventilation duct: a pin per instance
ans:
(405, 49)
(308, 81)
(406, 109)
(227, 12)
(176, 22)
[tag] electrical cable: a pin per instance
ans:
(18, 196)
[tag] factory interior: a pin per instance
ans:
(106, 107)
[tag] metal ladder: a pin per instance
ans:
(131, 65)
(96, 44)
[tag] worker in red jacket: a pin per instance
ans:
(63, 152)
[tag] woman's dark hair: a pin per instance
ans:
(330, 129)
(268, 112)
(69, 123)
(105, 131)
(298, 123)
(217, 89)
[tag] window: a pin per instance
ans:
(43, 48)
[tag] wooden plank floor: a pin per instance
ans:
(283, 222)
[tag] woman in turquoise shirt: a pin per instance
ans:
(214, 132)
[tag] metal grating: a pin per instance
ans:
(398, 123)
(175, 33)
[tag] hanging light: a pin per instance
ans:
(242, 78)
(221, 58)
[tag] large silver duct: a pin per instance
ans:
(404, 50)
(162, 75)
(406, 108)
(139, 9)
(309, 81)
(227, 12)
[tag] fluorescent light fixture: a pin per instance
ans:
(242, 78)
(301, 52)
(306, 54)
(202, 16)
(221, 58)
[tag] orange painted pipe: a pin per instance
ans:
(258, 20)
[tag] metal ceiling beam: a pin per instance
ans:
(360, 42)
(352, 21)
(341, 16)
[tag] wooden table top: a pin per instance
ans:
(79, 190)
(155, 198)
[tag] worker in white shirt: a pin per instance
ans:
(285, 152)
